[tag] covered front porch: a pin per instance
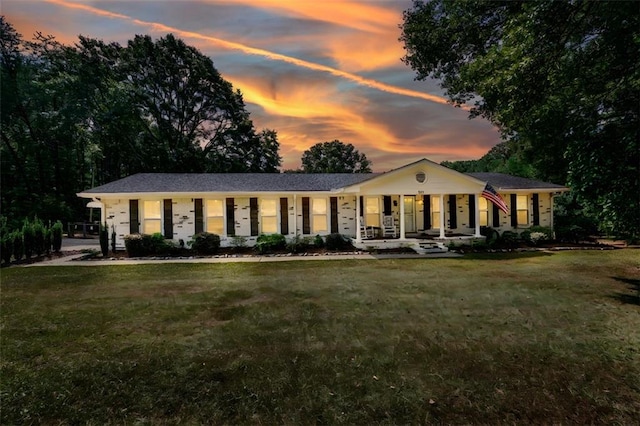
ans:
(416, 218)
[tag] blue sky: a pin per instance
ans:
(314, 71)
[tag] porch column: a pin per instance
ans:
(295, 213)
(358, 224)
(402, 227)
(442, 222)
(477, 209)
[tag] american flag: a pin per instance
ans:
(492, 195)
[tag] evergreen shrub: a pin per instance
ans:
(205, 243)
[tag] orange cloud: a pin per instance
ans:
(259, 52)
(350, 14)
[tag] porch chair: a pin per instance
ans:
(389, 227)
(366, 233)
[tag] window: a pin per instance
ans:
(152, 217)
(435, 212)
(483, 207)
(372, 212)
(522, 205)
(319, 212)
(215, 217)
(269, 216)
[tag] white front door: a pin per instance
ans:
(409, 214)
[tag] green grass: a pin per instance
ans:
(525, 338)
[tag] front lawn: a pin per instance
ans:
(528, 338)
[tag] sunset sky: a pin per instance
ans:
(314, 70)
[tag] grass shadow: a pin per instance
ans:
(505, 256)
(633, 285)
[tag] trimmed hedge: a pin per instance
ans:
(205, 243)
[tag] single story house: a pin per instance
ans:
(422, 204)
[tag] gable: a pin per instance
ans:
(405, 180)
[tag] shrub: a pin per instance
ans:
(318, 241)
(104, 239)
(205, 243)
(138, 245)
(38, 237)
(270, 242)
(238, 242)
(337, 241)
(492, 236)
(28, 238)
(7, 247)
(56, 236)
(298, 244)
(509, 238)
(113, 238)
(548, 232)
(47, 240)
(18, 245)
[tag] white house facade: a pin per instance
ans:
(422, 201)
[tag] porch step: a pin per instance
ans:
(425, 247)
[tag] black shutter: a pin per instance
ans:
(253, 215)
(387, 205)
(199, 221)
(134, 222)
(231, 216)
(514, 210)
(334, 215)
(496, 215)
(168, 219)
(453, 212)
(362, 212)
(472, 211)
(284, 216)
(426, 202)
(306, 223)
(536, 210)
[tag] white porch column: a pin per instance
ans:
(402, 226)
(358, 224)
(295, 213)
(442, 222)
(477, 209)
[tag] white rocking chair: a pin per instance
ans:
(389, 227)
(366, 233)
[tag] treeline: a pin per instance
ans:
(74, 117)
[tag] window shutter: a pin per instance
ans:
(284, 216)
(199, 221)
(536, 210)
(362, 206)
(514, 210)
(496, 216)
(453, 212)
(426, 202)
(168, 219)
(306, 223)
(472, 211)
(334, 215)
(231, 216)
(134, 222)
(253, 215)
(387, 205)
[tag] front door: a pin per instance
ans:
(410, 214)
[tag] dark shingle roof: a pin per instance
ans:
(502, 181)
(229, 182)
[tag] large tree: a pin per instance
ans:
(82, 115)
(334, 157)
(560, 79)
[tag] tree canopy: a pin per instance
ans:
(561, 80)
(334, 157)
(82, 115)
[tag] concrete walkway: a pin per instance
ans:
(74, 245)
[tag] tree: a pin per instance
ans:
(334, 157)
(83, 115)
(501, 159)
(561, 80)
